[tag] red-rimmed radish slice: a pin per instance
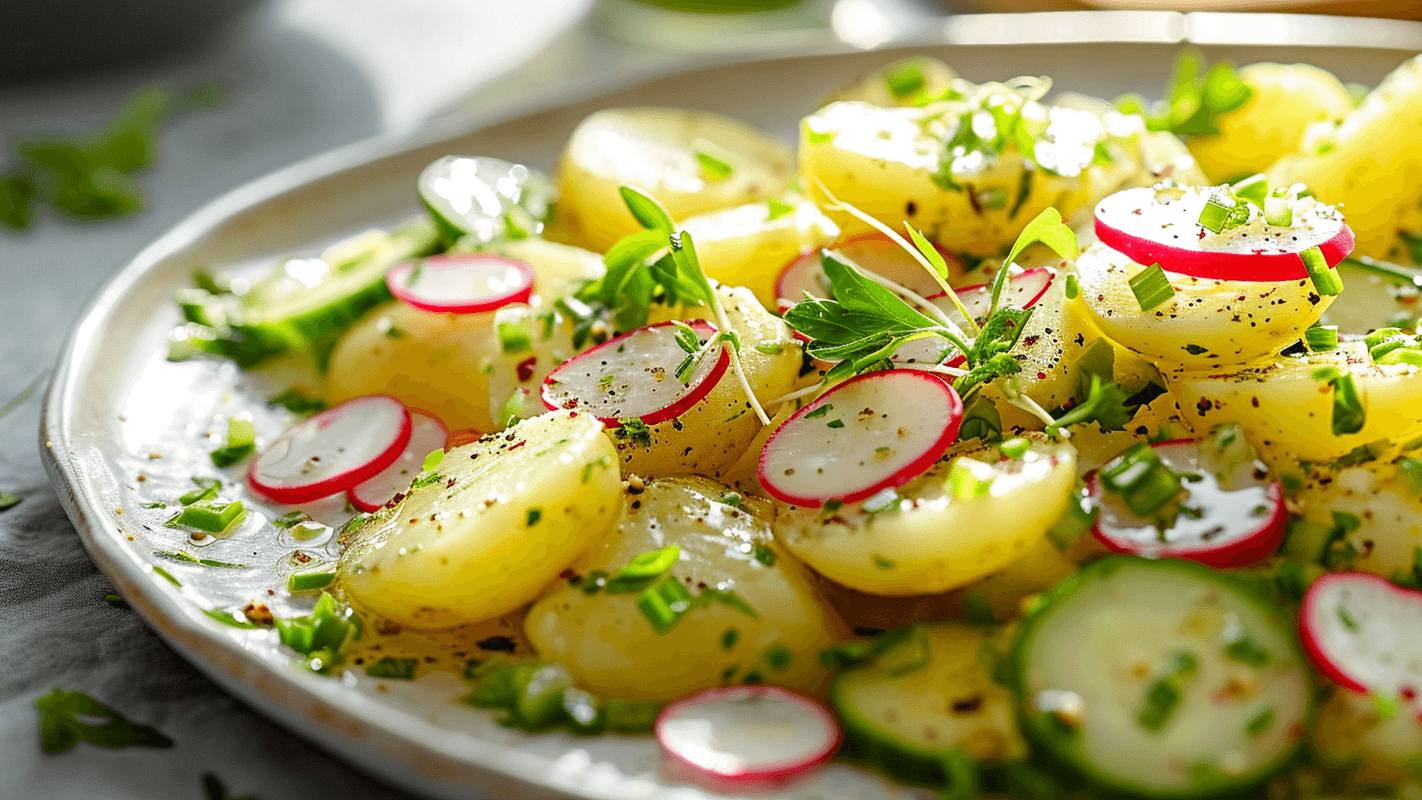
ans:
(427, 434)
(1023, 290)
(1226, 522)
(870, 433)
(1163, 227)
(748, 733)
(1360, 630)
(461, 284)
(633, 376)
(333, 451)
(875, 252)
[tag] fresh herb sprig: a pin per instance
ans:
(865, 322)
(657, 264)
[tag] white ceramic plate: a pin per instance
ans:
(124, 427)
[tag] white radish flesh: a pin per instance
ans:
(1226, 521)
(867, 434)
(461, 284)
(873, 252)
(333, 451)
(755, 733)
(634, 376)
(427, 434)
(1163, 227)
(1361, 632)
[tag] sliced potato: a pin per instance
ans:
(1380, 498)
(1351, 733)
(427, 360)
(711, 435)
(1369, 163)
(508, 513)
(750, 245)
(558, 268)
(929, 541)
(515, 374)
(611, 647)
(1286, 412)
(1287, 99)
(883, 161)
(1207, 324)
(905, 82)
(656, 150)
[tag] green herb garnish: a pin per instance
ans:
(68, 718)
(1151, 286)
(241, 442)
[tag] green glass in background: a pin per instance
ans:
(709, 26)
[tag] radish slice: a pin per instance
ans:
(1232, 522)
(1023, 290)
(865, 435)
(461, 284)
(748, 733)
(633, 376)
(427, 434)
(333, 451)
(875, 252)
(1360, 630)
(1163, 227)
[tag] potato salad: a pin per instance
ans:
(1003, 441)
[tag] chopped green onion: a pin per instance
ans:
(819, 412)
(1325, 279)
(1016, 447)
(309, 581)
(1349, 415)
(1215, 215)
(241, 441)
(713, 166)
(515, 337)
(1254, 189)
(664, 604)
(534, 515)
(393, 668)
(728, 639)
(1073, 287)
(643, 569)
(1247, 651)
(778, 209)
(9, 500)
(432, 461)
(905, 80)
(207, 490)
(1142, 481)
(763, 554)
(631, 716)
(1278, 211)
(1321, 338)
(1260, 722)
(778, 657)
(1163, 695)
(208, 516)
(1151, 287)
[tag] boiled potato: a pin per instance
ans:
(883, 162)
(1369, 163)
(558, 268)
(1286, 99)
(516, 372)
(1207, 324)
(751, 245)
(1158, 420)
(710, 436)
(928, 540)
(725, 544)
(656, 150)
(906, 82)
(1350, 732)
(505, 516)
(1285, 411)
(427, 360)
(1382, 500)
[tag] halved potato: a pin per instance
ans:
(749, 246)
(929, 541)
(505, 516)
(611, 647)
(661, 151)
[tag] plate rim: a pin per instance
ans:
(344, 723)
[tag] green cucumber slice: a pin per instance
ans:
(1161, 678)
(305, 304)
(486, 199)
(921, 699)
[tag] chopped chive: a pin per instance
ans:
(1321, 338)
(713, 166)
(643, 569)
(178, 555)
(1348, 621)
(835, 423)
(1073, 287)
(763, 554)
(167, 575)
(664, 604)
(728, 639)
(819, 412)
(1214, 215)
(9, 500)
(208, 516)
(770, 348)
(113, 599)
(1163, 695)
(154, 504)
(1260, 722)
(1151, 287)
(778, 657)
(232, 618)
(1349, 415)
(732, 499)
(1253, 189)
(1142, 481)
(393, 668)
(309, 581)
(1015, 448)
(515, 337)
(533, 516)
(905, 80)
(882, 563)
(778, 209)
(631, 716)
(1247, 651)
(1325, 279)
(241, 442)
(207, 490)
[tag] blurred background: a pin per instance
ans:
(118, 118)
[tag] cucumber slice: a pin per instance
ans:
(306, 304)
(922, 698)
(486, 199)
(1161, 679)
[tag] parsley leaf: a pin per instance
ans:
(67, 718)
